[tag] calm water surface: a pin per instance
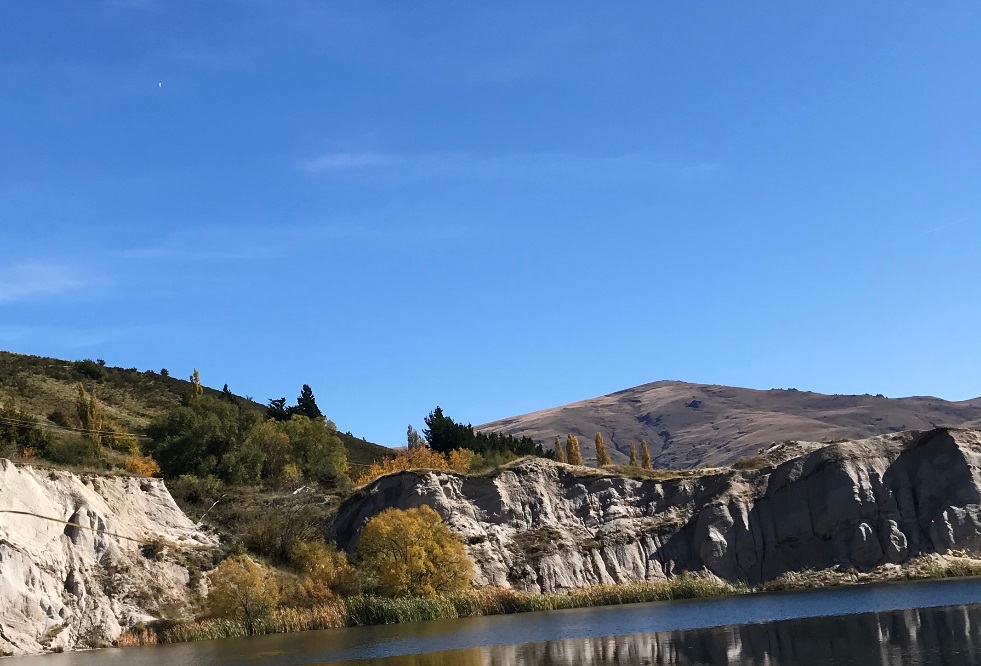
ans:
(937, 622)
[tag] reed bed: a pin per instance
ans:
(369, 610)
(366, 610)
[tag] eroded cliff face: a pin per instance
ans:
(545, 526)
(65, 587)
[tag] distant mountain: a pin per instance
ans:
(687, 425)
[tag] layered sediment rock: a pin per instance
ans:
(545, 526)
(82, 557)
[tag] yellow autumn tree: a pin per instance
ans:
(572, 452)
(412, 553)
(196, 389)
(245, 590)
(633, 454)
(141, 465)
(324, 565)
(458, 460)
(645, 455)
(602, 453)
(559, 451)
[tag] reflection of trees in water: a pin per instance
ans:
(925, 636)
(949, 635)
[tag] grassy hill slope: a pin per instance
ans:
(43, 386)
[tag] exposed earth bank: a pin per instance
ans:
(83, 557)
(545, 526)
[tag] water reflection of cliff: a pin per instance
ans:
(949, 635)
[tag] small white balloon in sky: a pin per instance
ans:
(160, 85)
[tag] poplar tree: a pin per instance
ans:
(633, 454)
(413, 439)
(559, 451)
(602, 453)
(572, 452)
(196, 389)
(89, 413)
(645, 455)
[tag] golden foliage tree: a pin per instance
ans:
(633, 454)
(572, 452)
(142, 465)
(413, 553)
(324, 566)
(458, 460)
(243, 589)
(602, 453)
(461, 460)
(645, 455)
(559, 451)
(196, 389)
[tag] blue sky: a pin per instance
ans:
(494, 207)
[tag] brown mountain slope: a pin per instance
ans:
(694, 424)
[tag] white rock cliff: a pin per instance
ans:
(65, 586)
(545, 526)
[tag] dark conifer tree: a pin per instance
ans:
(276, 409)
(306, 404)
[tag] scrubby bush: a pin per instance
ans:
(142, 466)
(275, 534)
(245, 590)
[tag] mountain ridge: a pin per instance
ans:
(688, 424)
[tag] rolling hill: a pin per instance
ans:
(687, 425)
(41, 386)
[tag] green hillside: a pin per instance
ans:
(45, 389)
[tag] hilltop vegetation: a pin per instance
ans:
(44, 392)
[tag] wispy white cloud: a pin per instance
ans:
(29, 281)
(348, 161)
(527, 166)
(63, 337)
(180, 252)
(220, 245)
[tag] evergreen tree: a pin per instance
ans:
(444, 435)
(602, 453)
(306, 404)
(559, 451)
(277, 409)
(226, 394)
(572, 452)
(645, 455)
(633, 455)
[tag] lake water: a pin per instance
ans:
(936, 622)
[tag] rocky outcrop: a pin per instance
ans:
(545, 526)
(82, 557)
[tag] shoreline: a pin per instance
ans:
(364, 610)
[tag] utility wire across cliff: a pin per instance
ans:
(71, 524)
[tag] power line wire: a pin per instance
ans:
(51, 426)
(66, 522)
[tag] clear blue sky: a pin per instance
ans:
(495, 207)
